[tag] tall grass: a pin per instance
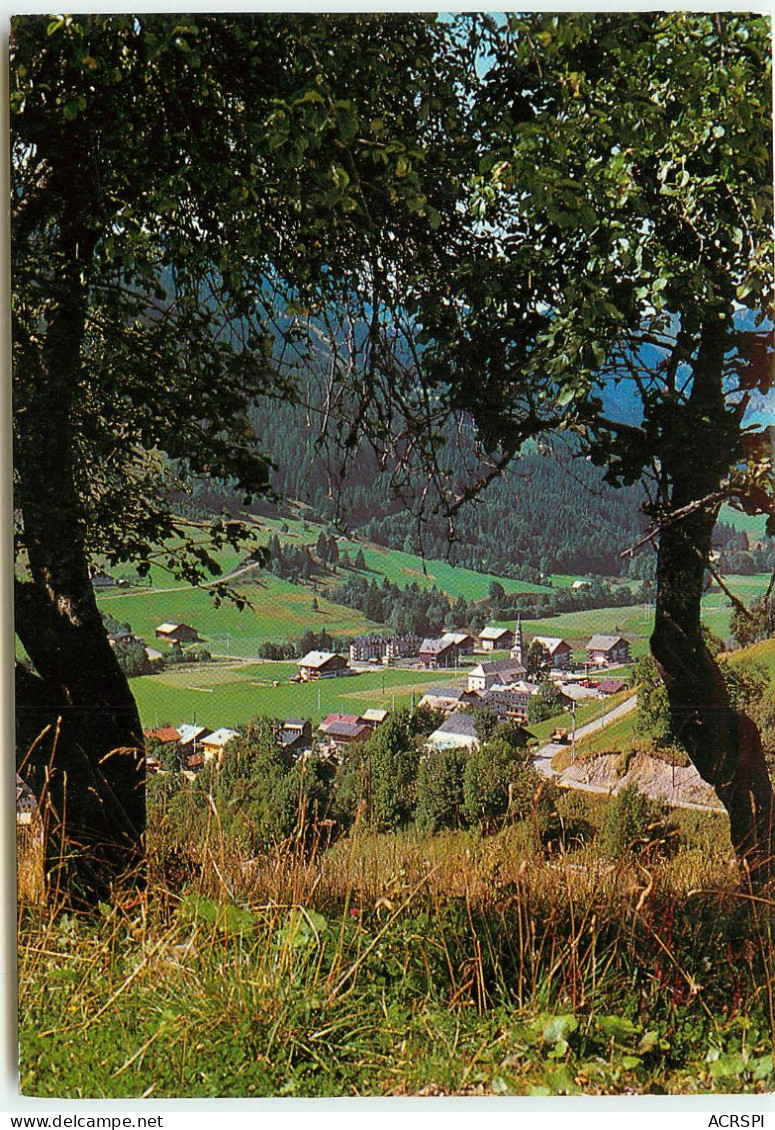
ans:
(393, 965)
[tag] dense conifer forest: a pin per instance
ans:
(549, 513)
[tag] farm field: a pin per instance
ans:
(222, 695)
(279, 610)
(282, 610)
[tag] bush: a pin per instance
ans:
(492, 775)
(637, 826)
(533, 800)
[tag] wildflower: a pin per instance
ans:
(354, 911)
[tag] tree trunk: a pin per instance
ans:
(723, 743)
(89, 766)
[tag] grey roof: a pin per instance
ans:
(459, 723)
(434, 647)
(288, 737)
(496, 666)
(604, 643)
(492, 632)
(551, 643)
(347, 730)
(319, 658)
(445, 692)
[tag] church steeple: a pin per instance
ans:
(517, 652)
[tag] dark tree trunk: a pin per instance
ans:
(89, 766)
(723, 743)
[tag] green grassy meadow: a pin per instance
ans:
(229, 696)
(277, 610)
(617, 736)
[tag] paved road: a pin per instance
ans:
(543, 756)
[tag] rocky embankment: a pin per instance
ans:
(610, 773)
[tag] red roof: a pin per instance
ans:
(330, 719)
(611, 686)
(164, 735)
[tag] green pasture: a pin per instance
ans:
(753, 524)
(577, 627)
(220, 695)
(618, 736)
(277, 611)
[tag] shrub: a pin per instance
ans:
(637, 826)
(489, 781)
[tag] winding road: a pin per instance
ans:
(543, 759)
(544, 755)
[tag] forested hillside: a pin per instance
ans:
(549, 513)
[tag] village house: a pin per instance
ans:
(446, 698)
(191, 737)
(610, 686)
(193, 762)
(322, 665)
(365, 648)
(214, 744)
(510, 701)
(401, 647)
(122, 635)
(485, 675)
(340, 734)
(458, 731)
(333, 719)
(493, 638)
(576, 692)
(606, 651)
(560, 652)
(462, 641)
(177, 633)
(103, 581)
(439, 653)
(373, 717)
(295, 736)
(163, 735)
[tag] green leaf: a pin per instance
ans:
(559, 1027)
(727, 1067)
(648, 1042)
(619, 1028)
